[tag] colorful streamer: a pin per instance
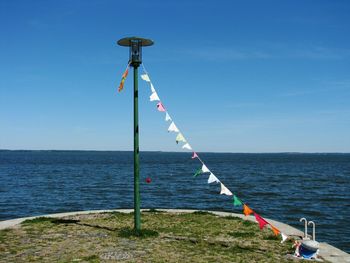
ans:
(125, 74)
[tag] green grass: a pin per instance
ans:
(165, 237)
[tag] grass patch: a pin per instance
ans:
(165, 237)
(131, 232)
(38, 220)
(248, 223)
(232, 218)
(3, 234)
(242, 234)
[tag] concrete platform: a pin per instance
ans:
(327, 251)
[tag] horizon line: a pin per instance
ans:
(282, 152)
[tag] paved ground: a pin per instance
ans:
(327, 251)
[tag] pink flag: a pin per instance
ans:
(194, 155)
(262, 222)
(160, 106)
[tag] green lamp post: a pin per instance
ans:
(135, 45)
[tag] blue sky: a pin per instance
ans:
(236, 76)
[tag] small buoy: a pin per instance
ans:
(148, 180)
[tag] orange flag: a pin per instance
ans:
(125, 74)
(246, 210)
(275, 230)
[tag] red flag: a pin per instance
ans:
(125, 74)
(194, 155)
(262, 222)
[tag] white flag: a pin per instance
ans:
(173, 128)
(152, 88)
(187, 146)
(284, 237)
(212, 178)
(145, 77)
(154, 96)
(167, 117)
(181, 138)
(205, 169)
(225, 190)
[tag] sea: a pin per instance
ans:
(281, 186)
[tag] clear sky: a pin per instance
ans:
(236, 76)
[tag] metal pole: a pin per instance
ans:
(137, 201)
(135, 45)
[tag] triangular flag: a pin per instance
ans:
(225, 190)
(246, 210)
(154, 96)
(173, 128)
(212, 178)
(284, 237)
(125, 74)
(236, 201)
(145, 77)
(167, 117)
(205, 169)
(194, 155)
(198, 172)
(152, 88)
(262, 222)
(180, 138)
(160, 106)
(275, 230)
(187, 146)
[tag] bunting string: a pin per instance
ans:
(180, 138)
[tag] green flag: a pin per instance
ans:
(198, 172)
(236, 201)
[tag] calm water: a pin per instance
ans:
(284, 187)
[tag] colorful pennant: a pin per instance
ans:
(145, 77)
(198, 172)
(125, 74)
(160, 106)
(275, 230)
(180, 138)
(213, 179)
(225, 190)
(173, 128)
(205, 169)
(167, 117)
(246, 210)
(152, 88)
(194, 155)
(284, 237)
(187, 146)
(262, 222)
(154, 97)
(236, 201)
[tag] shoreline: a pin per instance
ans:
(327, 252)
